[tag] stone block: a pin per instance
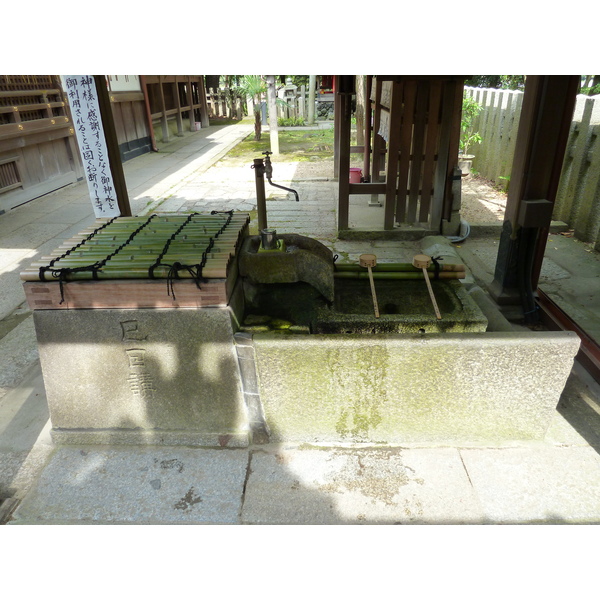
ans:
(142, 376)
(466, 388)
(171, 486)
(352, 486)
(304, 259)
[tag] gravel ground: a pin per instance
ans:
(482, 203)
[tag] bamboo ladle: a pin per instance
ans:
(368, 261)
(422, 261)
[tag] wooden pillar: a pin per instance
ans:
(163, 118)
(455, 99)
(148, 110)
(377, 156)
(178, 116)
(546, 116)
(190, 101)
(394, 141)
(112, 145)
(337, 119)
(204, 118)
(367, 126)
(342, 120)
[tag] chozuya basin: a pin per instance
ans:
(404, 307)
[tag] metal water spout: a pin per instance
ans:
(261, 168)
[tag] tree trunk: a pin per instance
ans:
(257, 120)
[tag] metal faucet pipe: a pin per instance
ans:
(269, 174)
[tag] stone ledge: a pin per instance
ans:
(393, 389)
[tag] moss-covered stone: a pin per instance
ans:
(434, 388)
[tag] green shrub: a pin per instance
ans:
(290, 122)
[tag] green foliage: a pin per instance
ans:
(254, 86)
(512, 82)
(505, 82)
(506, 185)
(290, 122)
(468, 137)
(591, 91)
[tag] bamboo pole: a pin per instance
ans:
(409, 267)
(399, 275)
(369, 261)
(161, 272)
(422, 261)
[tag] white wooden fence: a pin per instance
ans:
(578, 198)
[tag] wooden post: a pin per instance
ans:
(343, 159)
(179, 116)
(378, 142)
(367, 126)
(164, 123)
(190, 101)
(394, 140)
(112, 145)
(546, 114)
(204, 117)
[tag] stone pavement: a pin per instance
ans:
(554, 481)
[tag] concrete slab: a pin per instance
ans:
(18, 352)
(359, 486)
(536, 484)
(91, 485)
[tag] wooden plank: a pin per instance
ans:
(125, 294)
(439, 182)
(117, 97)
(393, 153)
(405, 137)
(422, 100)
(344, 162)
(11, 130)
(29, 93)
(431, 146)
(457, 90)
(129, 122)
(20, 140)
(367, 132)
(378, 143)
(117, 110)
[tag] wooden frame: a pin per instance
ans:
(422, 114)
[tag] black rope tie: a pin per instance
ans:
(195, 271)
(63, 273)
(53, 272)
(436, 265)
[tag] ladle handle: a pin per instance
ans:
(435, 306)
(375, 305)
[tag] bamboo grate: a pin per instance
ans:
(152, 261)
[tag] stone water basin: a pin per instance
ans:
(404, 307)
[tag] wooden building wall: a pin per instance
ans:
(129, 112)
(177, 104)
(37, 150)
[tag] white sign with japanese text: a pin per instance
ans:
(83, 99)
